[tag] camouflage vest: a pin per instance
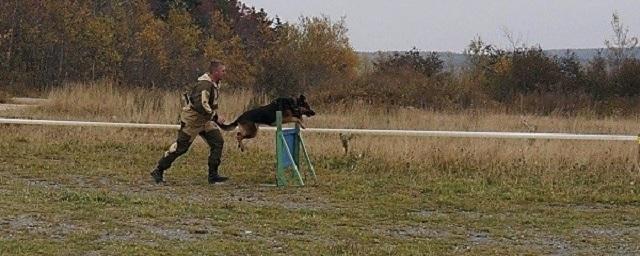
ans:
(201, 97)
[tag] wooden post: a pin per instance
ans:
(280, 179)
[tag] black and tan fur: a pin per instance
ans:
(248, 123)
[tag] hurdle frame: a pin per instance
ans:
(293, 154)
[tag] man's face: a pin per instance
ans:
(218, 73)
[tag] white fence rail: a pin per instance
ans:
(408, 133)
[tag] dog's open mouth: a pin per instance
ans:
(307, 112)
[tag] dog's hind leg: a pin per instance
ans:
(247, 131)
(239, 138)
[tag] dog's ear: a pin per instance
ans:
(302, 97)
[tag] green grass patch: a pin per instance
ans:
(83, 191)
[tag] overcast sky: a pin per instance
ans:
(450, 25)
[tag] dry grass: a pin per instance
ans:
(552, 163)
(73, 191)
(548, 155)
(87, 190)
(104, 101)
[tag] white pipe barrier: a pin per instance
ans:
(93, 124)
(414, 133)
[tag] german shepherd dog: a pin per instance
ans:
(292, 111)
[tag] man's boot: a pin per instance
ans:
(158, 175)
(214, 177)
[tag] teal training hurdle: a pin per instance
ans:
(289, 143)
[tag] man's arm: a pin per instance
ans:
(205, 96)
(211, 109)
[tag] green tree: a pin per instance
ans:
(224, 44)
(326, 54)
(315, 53)
(572, 74)
(182, 44)
(154, 58)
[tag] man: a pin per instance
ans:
(201, 103)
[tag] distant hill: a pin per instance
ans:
(458, 60)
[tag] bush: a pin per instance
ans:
(521, 71)
(625, 80)
(410, 79)
(428, 65)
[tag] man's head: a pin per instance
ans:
(216, 70)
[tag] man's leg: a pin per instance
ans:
(216, 142)
(178, 148)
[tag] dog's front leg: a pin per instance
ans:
(299, 122)
(293, 119)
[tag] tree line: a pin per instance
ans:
(167, 43)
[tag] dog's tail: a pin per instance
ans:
(226, 127)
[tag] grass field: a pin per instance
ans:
(87, 191)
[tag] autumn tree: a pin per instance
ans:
(313, 55)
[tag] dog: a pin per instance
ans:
(249, 121)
